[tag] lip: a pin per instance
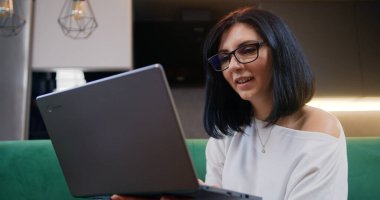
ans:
(243, 82)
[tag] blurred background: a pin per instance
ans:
(56, 44)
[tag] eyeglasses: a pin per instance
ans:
(244, 54)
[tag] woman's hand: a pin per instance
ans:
(203, 183)
(119, 197)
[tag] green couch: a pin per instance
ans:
(30, 169)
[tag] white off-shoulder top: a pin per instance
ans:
(296, 165)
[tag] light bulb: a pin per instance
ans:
(6, 8)
(11, 18)
(77, 9)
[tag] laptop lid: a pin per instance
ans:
(122, 135)
(105, 131)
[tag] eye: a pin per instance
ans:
(224, 58)
(248, 49)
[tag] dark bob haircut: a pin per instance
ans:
(292, 80)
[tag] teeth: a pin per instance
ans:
(243, 80)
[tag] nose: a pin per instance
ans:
(234, 63)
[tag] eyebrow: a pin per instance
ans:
(241, 44)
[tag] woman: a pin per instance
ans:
(273, 144)
(264, 139)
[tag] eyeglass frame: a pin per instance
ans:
(258, 44)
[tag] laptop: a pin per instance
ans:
(122, 135)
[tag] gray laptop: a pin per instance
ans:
(122, 135)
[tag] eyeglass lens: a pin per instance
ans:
(244, 54)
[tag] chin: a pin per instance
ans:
(245, 96)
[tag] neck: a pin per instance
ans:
(262, 107)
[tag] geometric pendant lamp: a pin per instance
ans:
(11, 18)
(77, 19)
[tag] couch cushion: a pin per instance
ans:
(30, 170)
(363, 156)
(197, 149)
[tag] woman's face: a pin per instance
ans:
(252, 81)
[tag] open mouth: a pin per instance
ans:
(243, 80)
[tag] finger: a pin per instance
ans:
(120, 197)
(116, 197)
(201, 182)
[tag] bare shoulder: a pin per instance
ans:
(317, 120)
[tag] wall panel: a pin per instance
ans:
(14, 80)
(328, 34)
(368, 23)
(108, 48)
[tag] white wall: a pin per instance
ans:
(108, 48)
